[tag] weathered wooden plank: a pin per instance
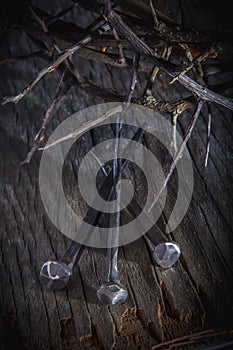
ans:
(162, 304)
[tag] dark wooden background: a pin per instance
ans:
(194, 296)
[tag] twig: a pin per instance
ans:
(165, 54)
(40, 133)
(149, 97)
(155, 17)
(188, 53)
(163, 107)
(53, 45)
(74, 74)
(174, 123)
(30, 154)
(179, 153)
(208, 132)
(108, 59)
(133, 82)
(54, 105)
(194, 61)
(86, 126)
(120, 46)
(38, 19)
(197, 68)
(51, 67)
(175, 114)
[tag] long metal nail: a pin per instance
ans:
(165, 253)
(112, 292)
(56, 274)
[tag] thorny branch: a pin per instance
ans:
(165, 54)
(155, 48)
(139, 46)
(208, 127)
(85, 126)
(133, 82)
(155, 51)
(142, 48)
(51, 67)
(62, 89)
(179, 153)
(195, 61)
(155, 17)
